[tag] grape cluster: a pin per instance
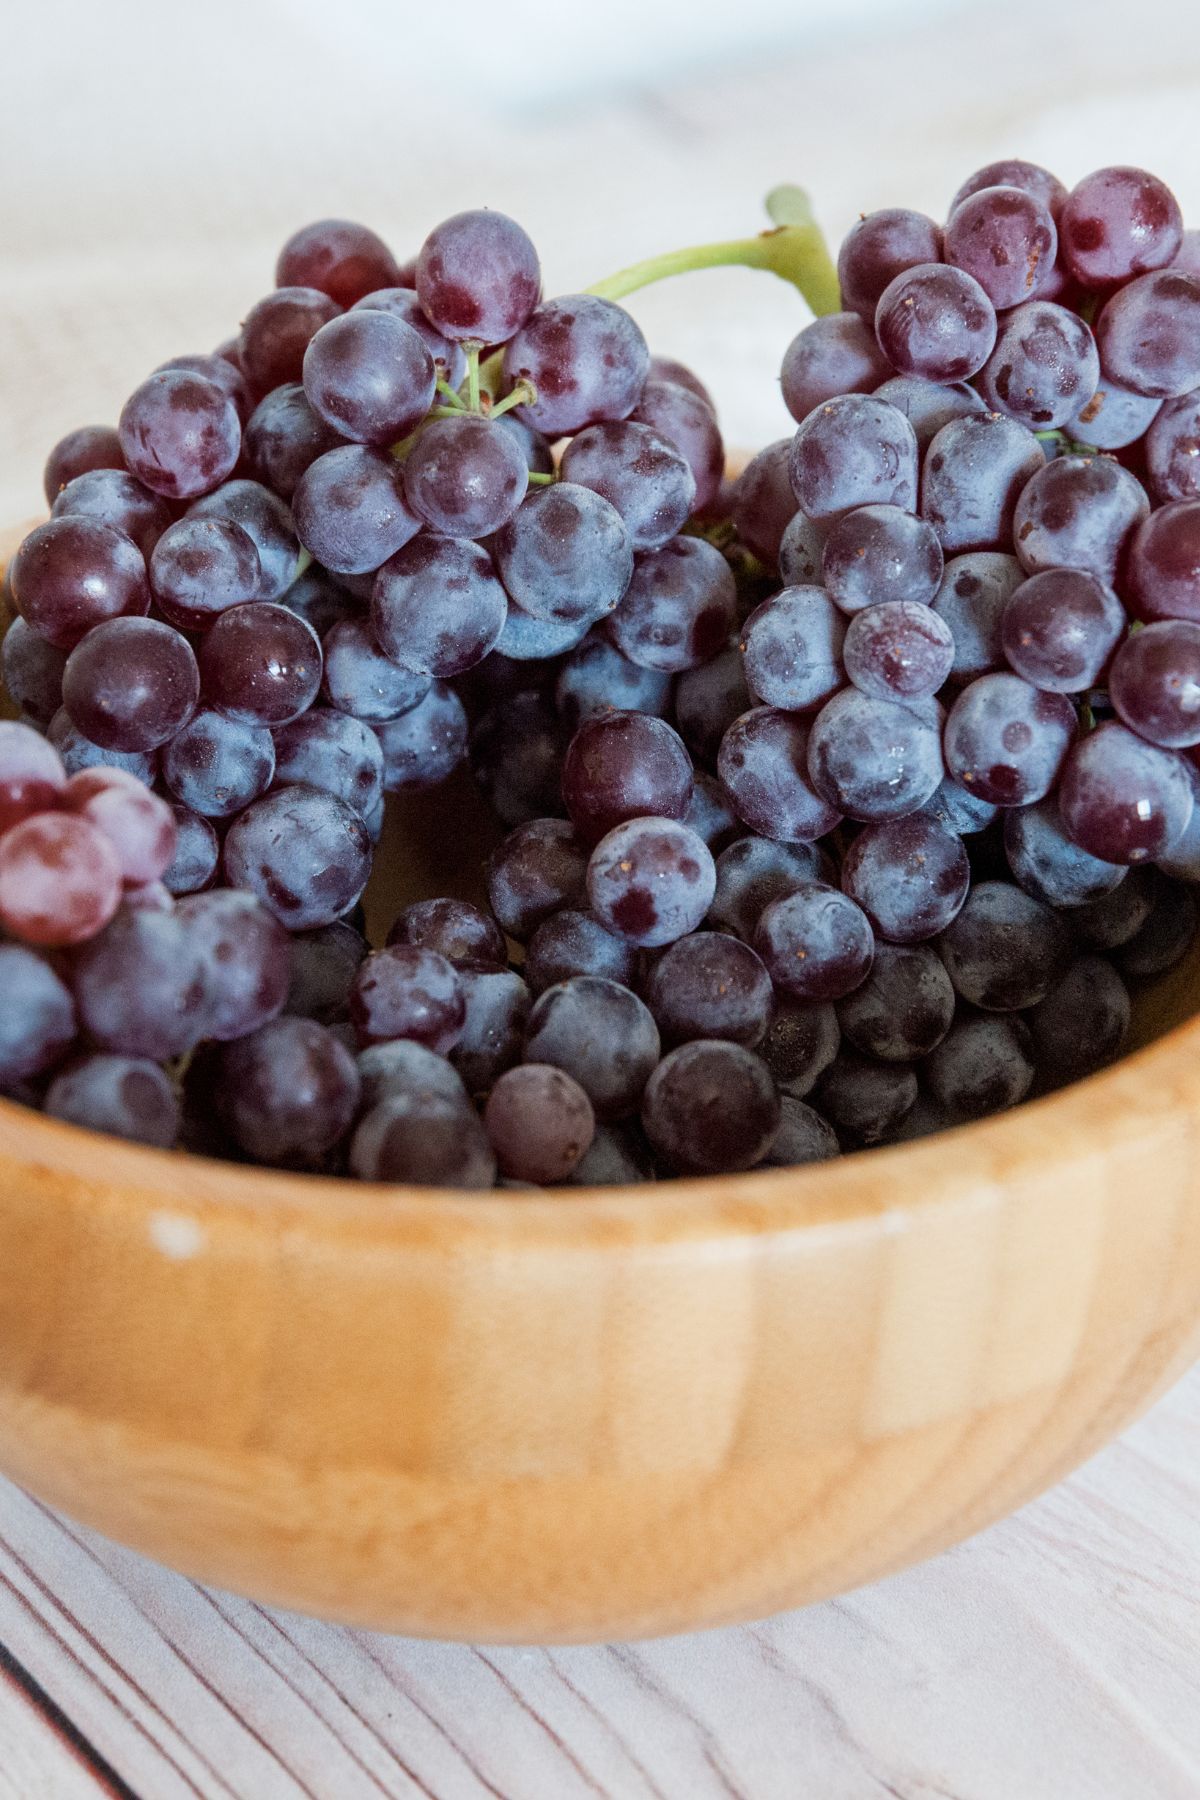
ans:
(843, 802)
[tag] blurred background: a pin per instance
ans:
(154, 158)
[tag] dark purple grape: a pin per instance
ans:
(180, 434)
(565, 554)
(72, 574)
(1165, 938)
(971, 600)
(115, 498)
(936, 321)
(1118, 916)
(837, 354)
(1164, 563)
(711, 815)
(596, 677)
(975, 470)
(449, 359)
(1082, 1023)
(1148, 332)
(339, 257)
(131, 684)
(1123, 799)
(877, 248)
(465, 476)
(711, 1108)
(322, 967)
(407, 991)
(651, 880)
(874, 759)
(792, 650)
(1172, 450)
(246, 959)
(1045, 367)
(710, 985)
(802, 552)
(216, 766)
(87, 447)
(1113, 418)
(866, 1102)
(230, 377)
(1047, 864)
(816, 943)
(438, 608)
(586, 359)
(361, 681)
(763, 765)
(763, 501)
(678, 609)
(1155, 683)
(123, 1096)
(331, 751)
(571, 942)
(1010, 171)
(305, 854)
(910, 876)
(675, 414)
(197, 853)
(753, 872)
(478, 277)
(539, 1123)
(422, 1141)
(1006, 238)
(540, 867)
(708, 700)
(1006, 740)
(903, 1009)
(402, 1067)
(881, 553)
(260, 664)
(1079, 512)
(284, 436)
(32, 672)
(370, 376)
(616, 1157)
(1182, 860)
(1060, 628)
(79, 752)
(803, 1137)
(351, 511)
(801, 1042)
(516, 757)
(269, 523)
(425, 744)
(456, 929)
(665, 368)
(288, 1093)
(639, 473)
(928, 405)
(1005, 950)
(900, 650)
(37, 1020)
(140, 986)
(982, 1066)
(623, 765)
(277, 331)
(853, 451)
(1117, 223)
(601, 1035)
(200, 567)
(60, 878)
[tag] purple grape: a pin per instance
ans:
(216, 767)
(540, 867)
(1119, 915)
(971, 600)
(288, 1092)
(710, 985)
(928, 405)
(131, 684)
(438, 607)
(460, 932)
(1005, 950)
(565, 554)
(322, 967)
(370, 376)
(678, 609)
(803, 1137)
(623, 765)
(1006, 238)
(32, 672)
(837, 354)
(1006, 741)
(78, 752)
(180, 434)
(351, 509)
(140, 986)
(497, 1002)
(246, 959)
(114, 498)
(975, 470)
(616, 1157)
(711, 815)
(539, 1123)
(900, 650)
(569, 943)
(449, 359)
(1154, 684)
(404, 1068)
(425, 744)
(1165, 938)
(910, 876)
(86, 448)
(763, 501)
(478, 277)
(265, 517)
(596, 677)
(1172, 450)
(675, 414)
(524, 639)
(586, 359)
(801, 1042)
(874, 759)
(711, 1108)
(465, 476)
(283, 437)
(260, 664)
(866, 1102)
(422, 1141)
(959, 810)
(708, 700)
(37, 1020)
(339, 257)
(881, 553)
(763, 765)
(1047, 864)
(753, 872)
(665, 368)
(1031, 178)
(1045, 367)
(123, 1096)
(1082, 1023)
(1117, 223)
(70, 575)
(334, 753)
(877, 248)
(982, 1066)
(816, 943)
(853, 451)
(307, 856)
(903, 1009)
(200, 567)
(230, 377)
(801, 552)
(1060, 628)
(639, 473)
(1147, 335)
(1123, 799)
(1182, 860)
(361, 681)
(936, 321)
(516, 757)
(1164, 563)
(277, 331)
(651, 880)
(407, 991)
(792, 649)
(1113, 418)
(601, 1035)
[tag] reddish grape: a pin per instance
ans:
(478, 277)
(903, 1009)
(1155, 683)
(32, 775)
(1060, 628)
(71, 574)
(465, 476)
(1006, 238)
(1164, 563)
(622, 765)
(675, 414)
(87, 447)
(370, 376)
(180, 434)
(60, 879)
(277, 331)
(131, 684)
(1117, 223)
(260, 664)
(1147, 335)
(816, 943)
(138, 824)
(1123, 799)
(339, 257)
(539, 1123)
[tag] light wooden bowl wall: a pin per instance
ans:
(594, 1414)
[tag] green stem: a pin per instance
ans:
(451, 396)
(538, 480)
(523, 394)
(472, 376)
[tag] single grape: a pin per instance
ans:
(180, 434)
(791, 649)
(803, 1137)
(639, 473)
(74, 573)
(86, 448)
(1006, 238)
(37, 1020)
(1045, 367)
(1005, 950)
(802, 552)
(763, 765)
(138, 824)
(339, 257)
(1060, 628)
(288, 1093)
(246, 959)
(283, 436)
(331, 751)
(565, 554)
(1048, 864)
(710, 985)
(1010, 171)
(837, 354)
(928, 405)
(361, 681)
(478, 277)
(269, 523)
(524, 639)
(1147, 335)
(707, 701)
(866, 1102)
(711, 815)
(113, 497)
(586, 359)
(322, 965)
(665, 368)
(678, 609)
(910, 876)
(260, 664)
(426, 743)
(540, 867)
(601, 1035)
(1165, 938)
(596, 677)
(1116, 223)
(131, 684)
(651, 880)
(305, 854)
(801, 1042)
(449, 358)
(763, 501)
(1006, 740)
(1114, 418)
(971, 600)
(711, 1108)
(217, 766)
(675, 414)
(197, 853)
(408, 991)
(959, 810)
(456, 929)
(437, 607)
(277, 331)
(1164, 563)
(616, 1157)
(937, 321)
(1123, 799)
(140, 986)
(1154, 683)
(874, 759)
(853, 451)
(881, 553)
(516, 758)
(370, 376)
(32, 670)
(123, 1096)
(32, 775)
(816, 943)
(422, 1141)
(903, 1009)
(351, 510)
(200, 567)
(878, 247)
(1079, 512)
(1082, 1023)
(974, 473)
(60, 880)
(622, 765)
(982, 1066)
(1118, 916)
(539, 1123)
(465, 476)
(402, 1067)
(756, 870)
(570, 943)
(900, 650)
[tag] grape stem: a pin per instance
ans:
(523, 394)
(472, 350)
(450, 396)
(537, 479)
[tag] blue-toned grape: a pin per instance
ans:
(288, 1093)
(910, 876)
(217, 766)
(983, 1066)
(792, 649)
(37, 1020)
(200, 567)
(78, 752)
(601, 1035)
(597, 677)
(639, 473)
(456, 929)
(402, 1067)
(124, 1096)
(425, 744)
(197, 853)
(1113, 418)
(478, 277)
(651, 880)
(802, 552)
(679, 607)
(903, 1009)
(1079, 512)
(1045, 367)
(1005, 950)
(407, 991)
(1048, 864)
(711, 815)
(881, 553)
(853, 451)
(710, 985)
(763, 766)
(283, 436)
(422, 1141)
(246, 959)
(465, 476)
(1007, 741)
(437, 607)
(586, 359)
(540, 867)
(402, 302)
(816, 943)
(803, 1137)
(331, 751)
(351, 509)
(874, 759)
(524, 639)
(269, 523)
(305, 854)
(571, 942)
(865, 1101)
(974, 473)
(1082, 1023)
(901, 650)
(971, 600)
(140, 986)
(837, 354)
(1165, 938)
(935, 320)
(1172, 449)
(1006, 238)
(959, 810)
(565, 554)
(676, 414)
(877, 248)
(708, 700)
(32, 670)
(113, 497)
(763, 501)
(361, 681)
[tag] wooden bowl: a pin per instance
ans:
(599, 1413)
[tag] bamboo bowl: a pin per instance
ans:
(604, 1413)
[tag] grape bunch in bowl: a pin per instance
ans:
(829, 805)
